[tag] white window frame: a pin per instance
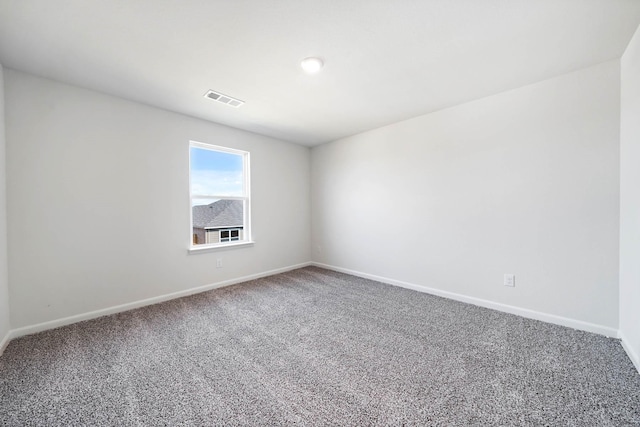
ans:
(246, 198)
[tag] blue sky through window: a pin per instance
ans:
(202, 159)
(216, 173)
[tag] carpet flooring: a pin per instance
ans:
(316, 347)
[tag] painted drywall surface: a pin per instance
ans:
(630, 197)
(523, 182)
(4, 284)
(98, 201)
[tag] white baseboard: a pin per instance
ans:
(32, 329)
(524, 312)
(5, 342)
(632, 354)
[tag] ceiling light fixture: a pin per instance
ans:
(312, 65)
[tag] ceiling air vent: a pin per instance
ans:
(225, 99)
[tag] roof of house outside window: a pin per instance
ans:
(219, 214)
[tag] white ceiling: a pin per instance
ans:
(385, 60)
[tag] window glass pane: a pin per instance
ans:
(216, 173)
(217, 220)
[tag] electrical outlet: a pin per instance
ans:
(219, 263)
(510, 280)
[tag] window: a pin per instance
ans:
(230, 235)
(219, 193)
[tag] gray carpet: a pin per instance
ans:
(315, 347)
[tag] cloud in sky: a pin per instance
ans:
(216, 183)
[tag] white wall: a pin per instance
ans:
(4, 284)
(93, 178)
(523, 182)
(630, 200)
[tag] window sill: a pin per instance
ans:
(213, 248)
